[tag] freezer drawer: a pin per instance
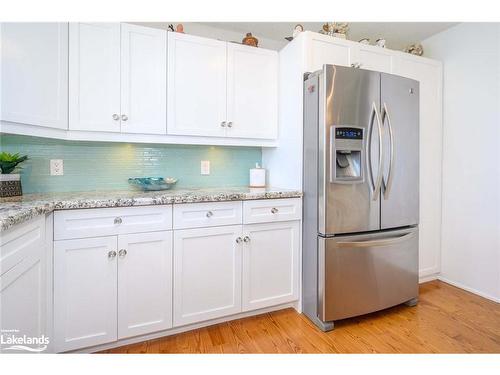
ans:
(366, 273)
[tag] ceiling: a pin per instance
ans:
(397, 34)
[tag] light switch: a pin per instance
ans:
(205, 167)
(56, 167)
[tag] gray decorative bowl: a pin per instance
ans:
(152, 183)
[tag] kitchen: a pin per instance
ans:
(193, 180)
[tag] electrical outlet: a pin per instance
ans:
(205, 167)
(56, 167)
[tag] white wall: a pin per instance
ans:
(470, 249)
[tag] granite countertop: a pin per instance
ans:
(17, 210)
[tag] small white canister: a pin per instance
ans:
(257, 177)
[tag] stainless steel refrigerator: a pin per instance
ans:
(361, 196)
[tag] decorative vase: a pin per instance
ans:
(10, 185)
(250, 40)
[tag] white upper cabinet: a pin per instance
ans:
(324, 49)
(252, 92)
(143, 80)
(144, 283)
(327, 50)
(117, 78)
(196, 85)
(94, 71)
(373, 58)
(221, 89)
(34, 74)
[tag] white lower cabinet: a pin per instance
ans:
(207, 273)
(85, 292)
(22, 281)
(270, 264)
(144, 283)
(109, 288)
(127, 284)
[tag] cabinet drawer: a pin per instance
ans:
(271, 210)
(111, 221)
(197, 215)
(20, 242)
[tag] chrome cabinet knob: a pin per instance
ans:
(209, 214)
(238, 240)
(116, 117)
(246, 239)
(230, 124)
(356, 65)
(124, 118)
(274, 210)
(223, 124)
(122, 253)
(111, 254)
(118, 220)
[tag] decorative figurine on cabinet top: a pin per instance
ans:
(380, 42)
(179, 28)
(415, 49)
(250, 40)
(296, 31)
(335, 29)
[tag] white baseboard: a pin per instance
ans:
(468, 289)
(427, 278)
(189, 327)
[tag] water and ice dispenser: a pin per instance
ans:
(347, 152)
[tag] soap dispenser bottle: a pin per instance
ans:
(257, 177)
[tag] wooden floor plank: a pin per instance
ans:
(446, 320)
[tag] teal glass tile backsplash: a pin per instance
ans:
(107, 166)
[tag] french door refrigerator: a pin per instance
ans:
(361, 196)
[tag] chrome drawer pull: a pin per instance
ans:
(274, 210)
(118, 220)
(210, 214)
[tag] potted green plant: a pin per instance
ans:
(10, 183)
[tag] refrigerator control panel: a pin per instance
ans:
(348, 133)
(347, 154)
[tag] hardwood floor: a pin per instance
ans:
(446, 320)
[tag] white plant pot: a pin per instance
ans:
(10, 177)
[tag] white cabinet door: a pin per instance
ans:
(327, 50)
(252, 92)
(34, 71)
(373, 58)
(270, 264)
(85, 290)
(144, 283)
(94, 76)
(143, 80)
(207, 273)
(196, 86)
(429, 74)
(23, 282)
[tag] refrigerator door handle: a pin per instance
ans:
(375, 243)
(376, 185)
(369, 149)
(388, 184)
